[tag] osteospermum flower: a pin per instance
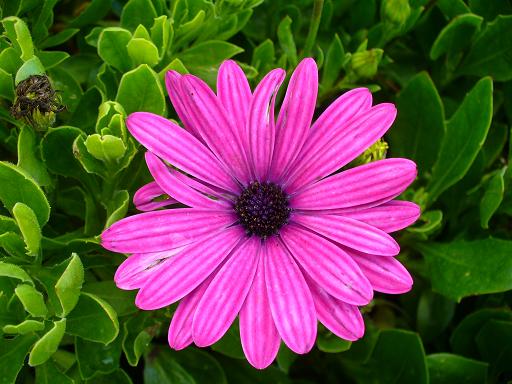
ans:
(269, 232)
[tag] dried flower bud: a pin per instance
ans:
(36, 102)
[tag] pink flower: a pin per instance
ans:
(270, 232)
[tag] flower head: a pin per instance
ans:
(270, 232)
(36, 102)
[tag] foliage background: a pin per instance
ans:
(447, 64)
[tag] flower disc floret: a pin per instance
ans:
(262, 209)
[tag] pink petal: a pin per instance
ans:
(294, 121)
(143, 198)
(342, 319)
(139, 267)
(186, 270)
(330, 126)
(178, 147)
(174, 187)
(204, 188)
(234, 93)
(224, 297)
(261, 125)
(172, 82)
(290, 299)
(219, 132)
(377, 182)
(354, 138)
(386, 274)
(389, 217)
(260, 339)
(180, 331)
(163, 230)
(328, 265)
(351, 233)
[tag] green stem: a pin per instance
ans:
(313, 27)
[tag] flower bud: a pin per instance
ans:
(395, 12)
(364, 64)
(36, 102)
(376, 152)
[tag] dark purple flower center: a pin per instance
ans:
(262, 209)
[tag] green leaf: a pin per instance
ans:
(490, 54)
(117, 207)
(161, 34)
(494, 344)
(492, 198)
(28, 156)
(32, 300)
(68, 86)
(13, 244)
(17, 186)
(19, 35)
(43, 20)
(10, 60)
(286, 40)
(24, 327)
(112, 48)
(465, 134)
(12, 356)
(69, 284)
(230, 344)
(106, 148)
(89, 163)
(93, 319)
(190, 30)
(432, 221)
(137, 335)
(6, 85)
(15, 272)
(86, 111)
(398, 357)
(452, 8)
(48, 373)
(33, 66)
(445, 368)
(47, 345)
(140, 90)
(51, 59)
(122, 301)
(59, 38)
(463, 337)
(96, 358)
(419, 128)
(333, 63)
(433, 315)
(204, 58)
(478, 267)
(137, 12)
(330, 343)
(57, 151)
(490, 9)
(29, 227)
(285, 358)
(164, 366)
(143, 51)
(96, 10)
(118, 377)
(263, 56)
(456, 35)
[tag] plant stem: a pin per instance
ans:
(318, 5)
